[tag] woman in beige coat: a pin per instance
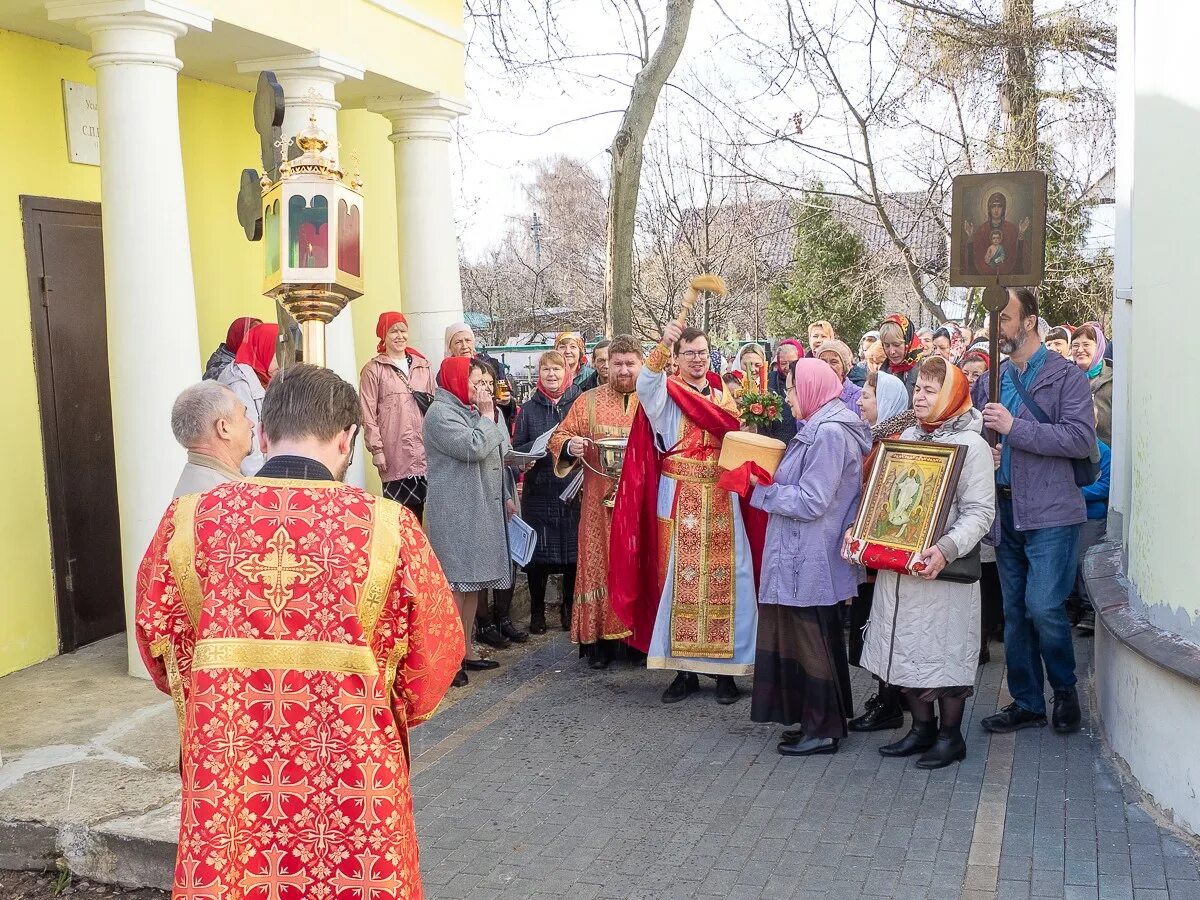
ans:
(395, 388)
(923, 634)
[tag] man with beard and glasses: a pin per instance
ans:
(302, 627)
(604, 412)
(1039, 512)
(682, 567)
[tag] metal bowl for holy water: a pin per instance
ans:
(612, 457)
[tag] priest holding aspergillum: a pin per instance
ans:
(682, 566)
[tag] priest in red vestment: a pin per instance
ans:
(683, 549)
(301, 627)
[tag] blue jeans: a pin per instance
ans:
(1037, 572)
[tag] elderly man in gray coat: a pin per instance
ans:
(210, 422)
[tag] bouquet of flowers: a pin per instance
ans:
(759, 408)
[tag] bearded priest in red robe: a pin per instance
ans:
(603, 412)
(301, 627)
(682, 571)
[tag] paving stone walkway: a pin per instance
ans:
(556, 781)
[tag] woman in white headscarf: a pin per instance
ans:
(885, 407)
(750, 366)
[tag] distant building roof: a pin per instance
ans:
(911, 215)
(478, 321)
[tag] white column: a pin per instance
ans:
(430, 293)
(309, 82)
(153, 341)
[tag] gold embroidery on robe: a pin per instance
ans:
(704, 574)
(181, 552)
(306, 656)
(385, 545)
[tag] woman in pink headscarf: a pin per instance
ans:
(801, 674)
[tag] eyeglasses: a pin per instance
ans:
(694, 354)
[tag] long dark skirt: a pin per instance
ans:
(801, 676)
(860, 611)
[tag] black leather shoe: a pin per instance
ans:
(512, 632)
(727, 690)
(920, 738)
(1013, 718)
(949, 748)
(480, 665)
(491, 636)
(810, 747)
(792, 736)
(684, 684)
(460, 679)
(1066, 714)
(537, 623)
(1087, 620)
(883, 713)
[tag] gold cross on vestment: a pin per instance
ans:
(278, 569)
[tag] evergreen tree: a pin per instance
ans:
(828, 278)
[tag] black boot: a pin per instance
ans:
(684, 684)
(949, 747)
(490, 635)
(920, 738)
(883, 712)
(1066, 715)
(727, 690)
(812, 746)
(600, 654)
(537, 616)
(509, 629)
(791, 736)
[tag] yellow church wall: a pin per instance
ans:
(216, 130)
(218, 141)
(367, 33)
(35, 164)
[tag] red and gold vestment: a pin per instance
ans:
(301, 627)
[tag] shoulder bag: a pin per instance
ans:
(1086, 468)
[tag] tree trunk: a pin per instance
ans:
(1018, 87)
(626, 173)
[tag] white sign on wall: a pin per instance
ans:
(82, 116)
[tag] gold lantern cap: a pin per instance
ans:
(313, 141)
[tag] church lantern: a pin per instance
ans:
(312, 228)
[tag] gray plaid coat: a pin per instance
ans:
(464, 511)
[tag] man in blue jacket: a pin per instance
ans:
(1039, 513)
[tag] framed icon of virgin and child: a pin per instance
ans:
(998, 229)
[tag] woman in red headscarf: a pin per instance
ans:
(395, 388)
(227, 351)
(248, 376)
(923, 635)
(469, 497)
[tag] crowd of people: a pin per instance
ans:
(679, 565)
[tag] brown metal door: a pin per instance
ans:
(65, 259)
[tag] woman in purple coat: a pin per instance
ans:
(801, 676)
